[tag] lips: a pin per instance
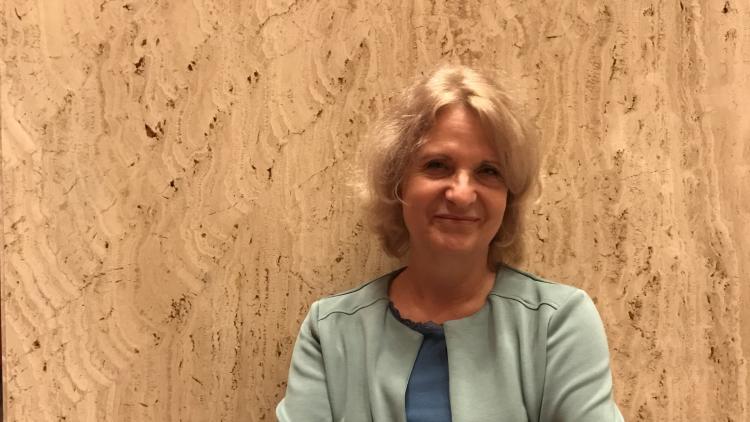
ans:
(457, 218)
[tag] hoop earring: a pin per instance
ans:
(396, 194)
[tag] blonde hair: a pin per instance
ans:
(401, 132)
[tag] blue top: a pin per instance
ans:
(428, 393)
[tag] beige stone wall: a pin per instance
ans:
(174, 188)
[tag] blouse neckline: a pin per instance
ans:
(427, 327)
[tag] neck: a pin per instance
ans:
(441, 288)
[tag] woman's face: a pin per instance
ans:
(453, 193)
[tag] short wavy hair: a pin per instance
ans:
(401, 131)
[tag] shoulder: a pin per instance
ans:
(531, 291)
(352, 301)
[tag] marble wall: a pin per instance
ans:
(175, 188)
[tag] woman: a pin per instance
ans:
(455, 335)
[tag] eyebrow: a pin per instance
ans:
(427, 155)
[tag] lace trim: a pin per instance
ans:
(428, 327)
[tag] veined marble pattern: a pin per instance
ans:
(176, 188)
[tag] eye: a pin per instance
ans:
(435, 165)
(489, 171)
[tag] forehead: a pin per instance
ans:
(458, 129)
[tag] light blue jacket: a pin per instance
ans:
(536, 351)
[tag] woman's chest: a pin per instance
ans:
(496, 373)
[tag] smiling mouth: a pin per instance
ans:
(457, 218)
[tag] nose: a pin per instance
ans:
(461, 191)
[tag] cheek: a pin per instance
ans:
(499, 206)
(413, 220)
(420, 202)
(415, 208)
(420, 194)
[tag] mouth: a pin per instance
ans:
(457, 218)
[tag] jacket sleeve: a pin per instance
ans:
(578, 380)
(306, 392)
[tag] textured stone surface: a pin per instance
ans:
(174, 188)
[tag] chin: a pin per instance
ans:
(457, 246)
